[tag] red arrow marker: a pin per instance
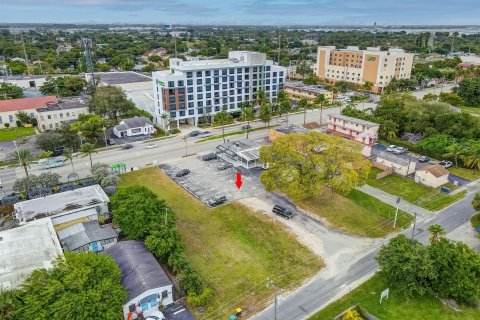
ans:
(239, 181)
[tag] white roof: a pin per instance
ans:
(74, 200)
(25, 249)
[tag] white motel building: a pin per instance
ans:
(193, 89)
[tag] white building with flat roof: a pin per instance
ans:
(193, 89)
(25, 249)
(65, 208)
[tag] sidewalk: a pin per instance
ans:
(472, 186)
(391, 200)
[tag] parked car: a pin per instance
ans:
(246, 127)
(282, 211)
(151, 146)
(400, 150)
(111, 142)
(182, 173)
(423, 159)
(392, 147)
(224, 166)
(445, 163)
(126, 147)
(155, 315)
(216, 201)
(59, 151)
(194, 133)
(209, 157)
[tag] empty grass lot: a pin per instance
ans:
(232, 248)
(356, 213)
(416, 193)
(15, 133)
(396, 307)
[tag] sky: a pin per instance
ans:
(239, 12)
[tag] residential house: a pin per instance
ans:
(135, 126)
(65, 208)
(25, 249)
(66, 110)
(400, 164)
(147, 284)
(87, 236)
(432, 175)
(10, 108)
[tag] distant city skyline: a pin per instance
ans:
(243, 12)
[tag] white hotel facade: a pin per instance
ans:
(193, 89)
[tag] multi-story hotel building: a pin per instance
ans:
(362, 131)
(361, 66)
(192, 89)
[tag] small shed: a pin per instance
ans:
(432, 175)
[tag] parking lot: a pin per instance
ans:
(205, 181)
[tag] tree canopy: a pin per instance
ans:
(300, 164)
(63, 86)
(111, 102)
(81, 286)
(10, 91)
(469, 91)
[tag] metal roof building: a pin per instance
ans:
(87, 236)
(25, 249)
(146, 282)
(245, 153)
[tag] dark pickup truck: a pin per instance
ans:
(281, 211)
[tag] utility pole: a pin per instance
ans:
(396, 212)
(414, 225)
(87, 43)
(270, 284)
(25, 54)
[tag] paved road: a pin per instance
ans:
(320, 291)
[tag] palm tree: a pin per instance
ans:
(24, 157)
(184, 138)
(223, 118)
(265, 114)
(304, 105)
(436, 232)
(164, 116)
(320, 101)
(248, 115)
(472, 160)
(86, 150)
(476, 202)
(261, 98)
(367, 86)
(69, 156)
(455, 151)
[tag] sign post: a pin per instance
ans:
(396, 212)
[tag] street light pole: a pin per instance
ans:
(272, 285)
(414, 225)
(18, 153)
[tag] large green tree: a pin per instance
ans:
(10, 91)
(90, 126)
(300, 164)
(111, 102)
(138, 211)
(469, 91)
(81, 286)
(406, 266)
(458, 270)
(63, 86)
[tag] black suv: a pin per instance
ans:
(281, 211)
(126, 147)
(215, 201)
(182, 173)
(209, 157)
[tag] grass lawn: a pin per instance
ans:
(219, 136)
(356, 213)
(415, 193)
(14, 133)
(396, 307)
(465, 173)
(470, 109)
(232, 248)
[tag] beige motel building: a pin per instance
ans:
(361, 66)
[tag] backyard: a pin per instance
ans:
(415, 193)
(15, 133)
(233, 249)
(356, 213)
(396, 307)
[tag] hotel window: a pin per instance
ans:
(173, 107)
(191, 112)
(189, 74)
(199, 73)
(208, 95)
(200, 111)
(224, 72)
(171, 84)
(255, 69)
(181, 90)
(180, 83)
(207, 73)
(171, 91)
(189, 82)
(216, 72)
(200, 89)
(208, 80)
(199, 96)
(173, 114)
(181, 106)
(190, 89)
(11, 118)
(181, 98)
(231, 71)
(224, 79)
(239, 70)
(190, 105)
(171, 99)
(216, 80)
(208, 88)
(199, 81)
(216, 87)
(200, 104)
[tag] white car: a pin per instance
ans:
(151, 146)
(155, 315)
(392, 147)
(445, 163)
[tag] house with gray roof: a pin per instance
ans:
(146, 282)
(87, 236)
(135, 126)
(401, 164)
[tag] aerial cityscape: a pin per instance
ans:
(263, 160)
